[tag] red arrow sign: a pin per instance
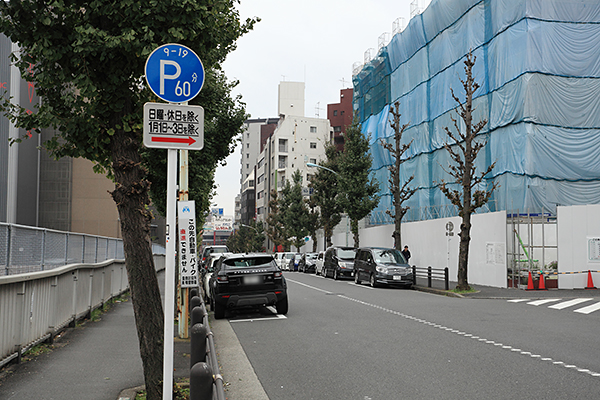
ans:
(189, 140)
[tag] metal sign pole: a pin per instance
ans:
(170, 276)
(183, 292)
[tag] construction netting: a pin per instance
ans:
(538, 67)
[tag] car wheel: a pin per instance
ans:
(373, 281)
(219, 310)
(282, 306)
(357, 278)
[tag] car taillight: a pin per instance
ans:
(277, 274)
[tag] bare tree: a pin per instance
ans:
(399, 193)
(464, 153)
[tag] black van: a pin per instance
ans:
(382, 266)
(339, 262)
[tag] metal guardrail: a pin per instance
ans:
(35, 307)
(430, 274)
(25, 249)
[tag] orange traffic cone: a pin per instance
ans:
(530, 282)
(542, 285)
(590, 284)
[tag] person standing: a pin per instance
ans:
(406, 253)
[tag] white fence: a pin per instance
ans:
(35, 307)
(575, 247)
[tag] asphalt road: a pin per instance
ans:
(343, 341)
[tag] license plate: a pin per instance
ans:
(252, 280)
(397, 277)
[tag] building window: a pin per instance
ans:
(247, 166)
(334, 113)
(247, 145)
(313, 161)
(313, 145)
(283, 145)
(247, 155)
(337, 129)
(313, 129)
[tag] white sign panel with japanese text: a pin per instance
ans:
(188, 260)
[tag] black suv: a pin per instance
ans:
(241, 280)
(339, 262)
(382, 266)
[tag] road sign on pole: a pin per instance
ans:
(174, 73)
(173, 126)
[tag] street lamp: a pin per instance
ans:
(251, 227)
(320, 166)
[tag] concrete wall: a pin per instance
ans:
(578, 226)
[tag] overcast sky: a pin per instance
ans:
(311, 41)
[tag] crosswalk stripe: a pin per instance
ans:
(589, 309)
(518, 300)
(540, 302)
(569, 303)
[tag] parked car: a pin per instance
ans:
(285, 261)
(308, 263)
(319, 263)
(339, 262)
(208, 250)
(246, 280)
(294, 262)
(382, 266)
(207, 272)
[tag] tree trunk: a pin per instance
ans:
(131, 197)
(354, 229)
(397, 228)
(463, 254)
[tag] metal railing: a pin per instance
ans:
(25, 249)
(431, 274)
(35, 307)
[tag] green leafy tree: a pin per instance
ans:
(400, 193)
(464, 153)
(275, 227)
(326, 192)
(358, 191)
(87, 61)
(294, 210)
(247, 239)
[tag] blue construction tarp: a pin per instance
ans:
(538, 67)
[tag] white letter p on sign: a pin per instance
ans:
(164, 76)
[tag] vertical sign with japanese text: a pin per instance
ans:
(186, 234)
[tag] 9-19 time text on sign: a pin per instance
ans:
(173, 126)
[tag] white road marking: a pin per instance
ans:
(540, 302)
(569, 303)
(589, 309)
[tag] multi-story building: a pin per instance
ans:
(248, 203)
(297, 140)
(255, 130)
(340, 116)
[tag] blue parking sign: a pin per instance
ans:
(174, 73)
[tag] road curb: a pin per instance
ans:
(437, 291)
